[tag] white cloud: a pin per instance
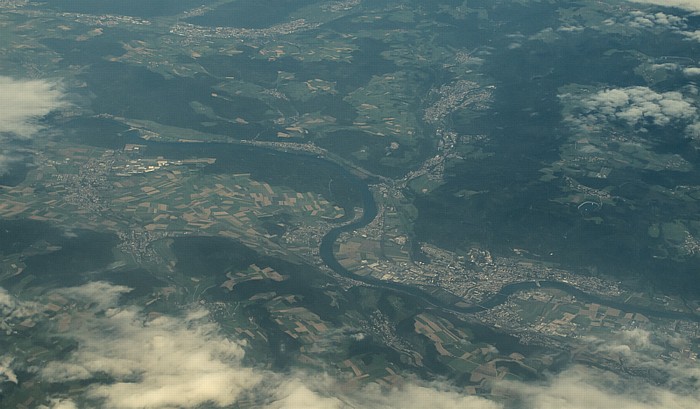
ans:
(185, 362)
(665, 66)
(60, 404)
(689, 5)
(304, 391)
(692, 35)
(547, 35)
(7, 301)
(693, 131)
(6, 371)
(22, 105)
(433, 396)
(327, 393)
(295, 394)
(104, 295)
(637, 338)
(581, 387)
(638, 19)
(635, 345)
(24, 102)
(638, 107)
(570, 29)
(691, 71)
(169, 363)
(13, 309)
(7, 160)
(162, 363)
(639, 350)
(584, 388)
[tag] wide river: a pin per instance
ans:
(270, 165)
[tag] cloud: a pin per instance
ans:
(434, 396)
(692, 35)
(60, 404)
(154, 363)
(7, 301)
(7, 160)
(659, 383)
(6, 372)
(24, 102)
(635, 345)
(295, 394)
(637, 107)
(546, 35)
(659, 20)
(570, 29)
(637, 104)
(639, 19)
(581, 387)
(693, 130)
(13, 309)
(689, 5)
(665, 66)
(185, 361)
(691, 71)
(328, 393)
(103, 294)
(637, 338)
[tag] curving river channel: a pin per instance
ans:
(234, 157)
(370, 212)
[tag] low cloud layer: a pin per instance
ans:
(658, 20)
(24, 102)
(185, 361)
(12, 309)
(154, 362)
(637, 107)
(689, 5)
(692, 35)
(639, 19)
(100, 294)
(692, 71)
(167, 361)
(658, 384)
(7, 160)
(584, 388)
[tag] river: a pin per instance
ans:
(370, 212)
(237, 158)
